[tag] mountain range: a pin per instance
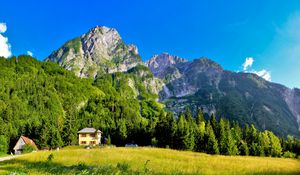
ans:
(180, 83)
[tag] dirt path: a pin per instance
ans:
(8, 158)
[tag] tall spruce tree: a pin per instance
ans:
(199, 117)
(212, 143)
(214, 124)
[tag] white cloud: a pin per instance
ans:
(29, 53)
(248, 63)
(4, 45)
(2, 27)
(262, 73)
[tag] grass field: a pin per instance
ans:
(76, 160)
(3, 154)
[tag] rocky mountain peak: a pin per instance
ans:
(103, 37)
(159, 63)
(100, 50)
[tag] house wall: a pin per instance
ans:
(18, 146)
(89, 139)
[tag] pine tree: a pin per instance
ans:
(227, 143)
(232, 146)
(199, 136)
(223, 142)
(214, 124)
(199, 117)
(180, 133)
(165, 130)
(212, 143)
(243, 148)
(251, 139)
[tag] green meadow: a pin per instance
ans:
(76, 160)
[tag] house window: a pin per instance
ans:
(92, 135)
(83, 142)
(83, 135)
(92, 142)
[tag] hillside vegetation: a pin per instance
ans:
(50, 105)
(77, 160)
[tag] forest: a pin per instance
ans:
(49, 104)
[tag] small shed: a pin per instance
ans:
(21, 142)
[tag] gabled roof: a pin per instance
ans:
(88, 130)
(28, 141)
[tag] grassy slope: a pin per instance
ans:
(162, 161)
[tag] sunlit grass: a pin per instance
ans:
(3, 154)
(165, 161)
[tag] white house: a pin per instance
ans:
(89, 136)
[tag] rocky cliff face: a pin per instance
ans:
(165, 64)
(292, 98)
(243, 97)
(101, 50)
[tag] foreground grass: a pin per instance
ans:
(3, 154)
(144, 161)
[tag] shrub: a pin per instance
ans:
(154, 142)
(123, 167)
(28, 148)
(50, 157)
(288, 154)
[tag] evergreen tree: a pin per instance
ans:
(199, 117)
(251, 139)
(243, 148)
(227, 144)
(232, 144)
(165, 130)
(212, 143)
(223, 140)
(180, 133)
(199, 137)
(214, 124)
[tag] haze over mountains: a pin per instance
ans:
(179, 83)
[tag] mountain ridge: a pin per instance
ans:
(179, 83)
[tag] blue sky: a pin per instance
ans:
(228, 32)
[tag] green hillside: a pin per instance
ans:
(50, 104)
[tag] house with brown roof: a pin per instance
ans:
(22, 142)
(89, 136)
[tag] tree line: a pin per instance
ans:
(220, 137)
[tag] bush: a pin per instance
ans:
(288, 154)
(28, 148)
(124, 167)
(154, 142)
(50, 157)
